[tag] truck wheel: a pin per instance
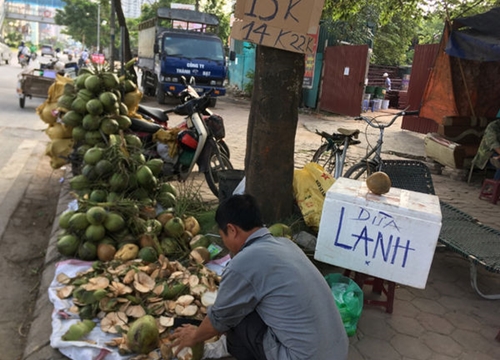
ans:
(213, 102)
(160, 94)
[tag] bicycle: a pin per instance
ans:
(332, 152)
(368, 164)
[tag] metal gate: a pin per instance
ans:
(423, 61)
(343, 80)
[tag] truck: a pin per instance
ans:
(176, 43)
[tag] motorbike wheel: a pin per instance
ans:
(217, 162)
(22, 101)
(224, 149)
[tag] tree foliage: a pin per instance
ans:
(393, 27)
(80, 20)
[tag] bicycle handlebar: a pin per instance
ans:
(369, 121)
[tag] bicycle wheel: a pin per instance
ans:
(361, 170)
(325, 157)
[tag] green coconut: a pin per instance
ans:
(166, 199)
(104, 168)
(156, 165)
(89, 172)
(124, 122)
(108, 100)
(72, 118)
(143, 335)
(109, 126)
(64, 219)
(95, 233)
(154, 226)
(78, 221)
(87, 251)
(168, 187)
(79, 182)
(174, 227)
(138, 158)
(78, 133)
(98, 195)
(118, 182)
(110, 80)
(94, 107)
(280, 230)
(93, 137)
(133, 141)
(86, 95)
(65, 101)
(93, 83)
(114, 222)
(96, 215)
(123, 109)
(79, 105)
(169, 246)
(93, 155)
(148, 254)
(91, 122)
(144, 176)
(68, 245)
(80, 80)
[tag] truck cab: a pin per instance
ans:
(185, 48)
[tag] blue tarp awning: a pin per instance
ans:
(476, 37)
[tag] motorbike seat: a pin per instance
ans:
(155, 113)
(144, 126)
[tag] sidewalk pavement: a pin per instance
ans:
(446, 320)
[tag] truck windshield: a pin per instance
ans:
(193, 47)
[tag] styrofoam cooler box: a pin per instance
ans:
(391, 236)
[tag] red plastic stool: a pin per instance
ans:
(377, 287)
(490, 190)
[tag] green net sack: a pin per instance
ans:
(349, 299)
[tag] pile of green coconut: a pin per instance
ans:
(125, 217)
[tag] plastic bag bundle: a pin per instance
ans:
(310, 185)
(348, 298)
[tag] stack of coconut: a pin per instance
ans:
(125, 218)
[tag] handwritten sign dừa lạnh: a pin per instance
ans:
(283, 24)
(391, 236)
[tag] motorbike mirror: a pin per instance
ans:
(232, 55)
(192, 80)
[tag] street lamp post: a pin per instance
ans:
(98, 27)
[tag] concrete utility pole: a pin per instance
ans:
(112, 31)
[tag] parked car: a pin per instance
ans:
(5, 53)
(48, 50)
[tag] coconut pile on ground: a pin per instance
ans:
(150, 269)
(139, 302)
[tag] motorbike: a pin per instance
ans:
(160, 116)
(24, 60)
(199, 140)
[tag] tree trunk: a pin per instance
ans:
(127, 54)
(272, 125)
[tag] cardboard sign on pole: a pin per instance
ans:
(285, 24)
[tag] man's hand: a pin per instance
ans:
(184, 336)
(190, 335)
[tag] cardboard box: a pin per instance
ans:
(391, 236)
(284, 24)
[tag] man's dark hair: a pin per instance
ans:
(239, 210)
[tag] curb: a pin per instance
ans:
(37, 344)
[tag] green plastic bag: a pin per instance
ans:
(348, 298)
